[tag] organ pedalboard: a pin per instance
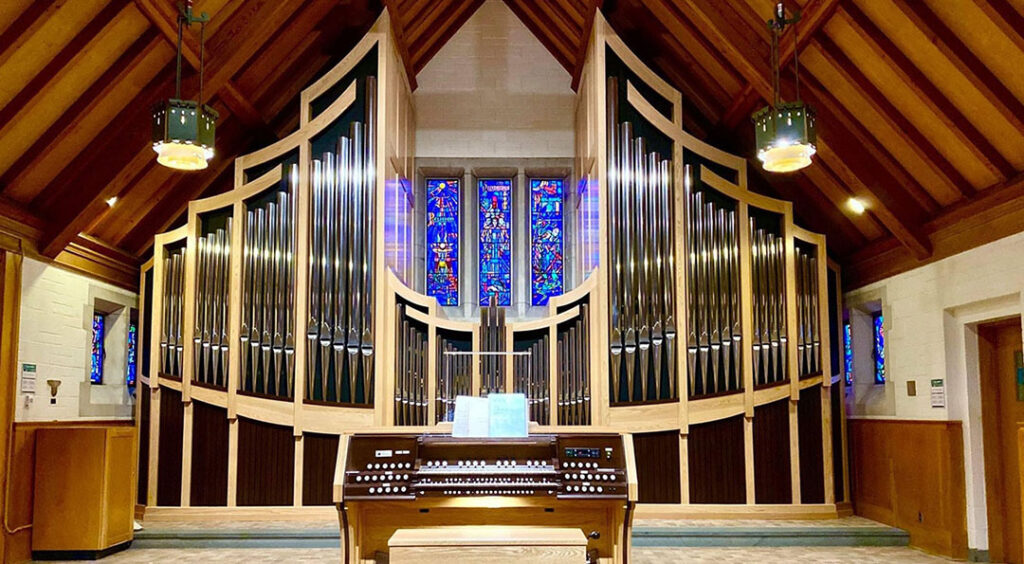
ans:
(404, 467)
(393, 481)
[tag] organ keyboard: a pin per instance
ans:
(389, 481)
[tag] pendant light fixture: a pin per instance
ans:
(183, 130)
(784, 131)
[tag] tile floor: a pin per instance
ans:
(825, 555)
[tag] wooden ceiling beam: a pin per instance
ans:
(891, 204)
(164, 17)
(557, 44)
(1006, 18)
(581, 50)
(958, 123)
(398, 30)
(442, 32)
(677, 28)
(965, 61)
(812, 18)
(906, 130)
(127, 150)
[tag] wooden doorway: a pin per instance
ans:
(1002, 414)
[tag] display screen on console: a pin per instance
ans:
(583, 453)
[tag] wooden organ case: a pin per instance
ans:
(392, 481)
(282, 317)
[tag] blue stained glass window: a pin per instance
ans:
(848, 353)
(98, 329)
(443, 240)
(496, 241)
(879, 322)
(133, 338)
(546, 236)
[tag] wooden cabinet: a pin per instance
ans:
(84, 491)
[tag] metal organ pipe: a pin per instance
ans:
(641, 273)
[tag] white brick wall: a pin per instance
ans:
(932, 316)
(55, 335)
(494, 91)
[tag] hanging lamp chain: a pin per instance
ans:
(776, 26)
(186, 17)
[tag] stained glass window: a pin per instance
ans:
(546, 236)
(879, 352)
(98, 329)
(496, 241)
(848, 353)
(443, 240)
(133, 338)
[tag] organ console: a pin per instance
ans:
(390, 481)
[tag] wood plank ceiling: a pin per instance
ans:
(919, 104)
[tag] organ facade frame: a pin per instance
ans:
(676, 422)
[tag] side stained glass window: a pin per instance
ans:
(443, 240)
(133, 339)
(496, 241)
(878, 323)
(98, 331)
(848, 353)
(546, 239)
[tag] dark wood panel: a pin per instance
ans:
(812, 465)
(319, 456)
(717, 471)
(838, 468)
(773, 477)
(142, 392)
(209, 455)
(910, 474)
(168, 487)
(266, 463)
(657, 466)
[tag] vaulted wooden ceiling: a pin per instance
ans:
(919, 105)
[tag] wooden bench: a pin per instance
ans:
(488, 545)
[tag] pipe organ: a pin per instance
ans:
(172, 289)
(699, 304)
(715, 334)
(210, 343)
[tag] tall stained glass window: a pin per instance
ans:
(848, 353)
(546, 237)
(98, 330)
(133, 339)
(878, 323)
(496, 241)
(443, 240)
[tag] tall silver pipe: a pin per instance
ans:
(370, 190)
(313, 323)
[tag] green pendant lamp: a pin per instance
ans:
(184, 130)
(784, 131)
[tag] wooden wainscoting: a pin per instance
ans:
(910, 474)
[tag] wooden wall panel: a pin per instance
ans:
(657, 466)
(772, 471)
(838, 468)
(142, 396)
(209, 455)
(812, 469)
(172, 417)
(717, 470)
(910, 474)
(266, 463)
(319, 456)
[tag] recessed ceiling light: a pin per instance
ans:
(856, 206)
(111, 201)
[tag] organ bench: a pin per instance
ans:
(385, 482)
